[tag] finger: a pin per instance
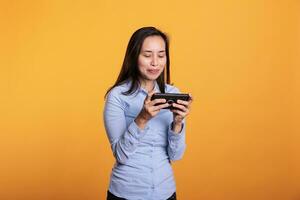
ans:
(186, 103)
(161, 106)
(157, 101)
(179, 112)
(149, 95)
(181, 107)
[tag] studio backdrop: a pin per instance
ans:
(239, 59)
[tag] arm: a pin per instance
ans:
(176, 142)
(176, 132)
(123, 140)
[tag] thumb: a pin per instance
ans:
(148, 98)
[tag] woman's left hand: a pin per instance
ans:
(183, 109)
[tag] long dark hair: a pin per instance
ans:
(129, 70)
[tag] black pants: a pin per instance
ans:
(110, 196)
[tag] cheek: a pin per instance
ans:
(163, 62)
(143, 63)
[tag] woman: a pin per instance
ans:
(144, 137)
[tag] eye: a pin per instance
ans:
(161, 55)
(147, 55)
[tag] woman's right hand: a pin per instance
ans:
(149, 110)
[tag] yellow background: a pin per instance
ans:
(239, 59)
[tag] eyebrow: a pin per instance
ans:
(148, 51)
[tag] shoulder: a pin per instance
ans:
(116, 93)
(171, 89)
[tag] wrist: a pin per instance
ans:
(177, 123)
(176, 127)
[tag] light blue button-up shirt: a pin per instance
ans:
(143, 157)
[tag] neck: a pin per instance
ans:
(148, 85)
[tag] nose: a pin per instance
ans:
(154, 61)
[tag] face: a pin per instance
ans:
(152, 59)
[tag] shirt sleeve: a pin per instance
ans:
(176, 143)
(123, 139)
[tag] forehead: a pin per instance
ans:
(153, 43)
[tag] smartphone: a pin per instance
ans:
(170, 98)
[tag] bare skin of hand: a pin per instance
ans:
(149, 110)
(183, 110)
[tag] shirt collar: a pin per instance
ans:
(156, 88)
(140, 89)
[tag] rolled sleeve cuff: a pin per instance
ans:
(176, 143)
(176, 136)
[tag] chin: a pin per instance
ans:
(152, 78)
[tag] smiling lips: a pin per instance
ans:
(153, 71)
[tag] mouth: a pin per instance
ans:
(153, 71)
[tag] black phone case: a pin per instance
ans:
(170, 97)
